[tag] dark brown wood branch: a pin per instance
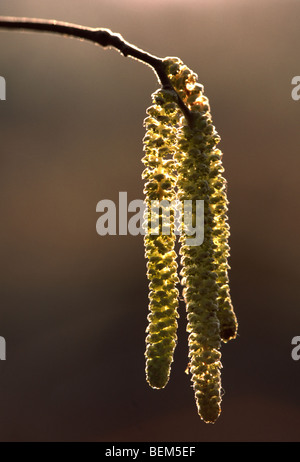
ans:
(100, 36)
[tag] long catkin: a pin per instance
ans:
(210, 314)
(183, 163)
(159, 144)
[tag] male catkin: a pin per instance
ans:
(184, 163)
(185, 82)
(205, 268)
(159, 144)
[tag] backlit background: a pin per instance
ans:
(74, 304)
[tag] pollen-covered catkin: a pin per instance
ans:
(200, 281)
(159, 143)
(191, 92)
(182, 164)
(204, 268)
(218, 200)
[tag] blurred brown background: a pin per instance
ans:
(74, 304)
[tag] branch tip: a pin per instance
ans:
(104, 37)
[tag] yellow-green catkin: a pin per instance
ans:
(204, 268)
(218, 200)
(200, 281)
(159, 144)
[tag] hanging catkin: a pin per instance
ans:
(183, 163)
(159, 144)
(204, 268)
(191, 92)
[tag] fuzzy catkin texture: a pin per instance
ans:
(192, 93)
(219, 206)
(159, 143)
(204, 268)
(200, 283)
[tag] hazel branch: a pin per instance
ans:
(100, 36)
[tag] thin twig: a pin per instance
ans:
(100, 36)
